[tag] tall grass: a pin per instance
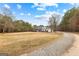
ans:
(20, 43)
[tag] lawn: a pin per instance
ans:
(24, 42)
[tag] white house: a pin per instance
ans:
(43, 29)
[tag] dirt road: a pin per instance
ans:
(74, 50)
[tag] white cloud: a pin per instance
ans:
(51, 4)
(29, 14)
(38, 5)
(64, 10)
(72, 3)
(19, 6)
(7, 6)
(22, 14)
(37, 16)
(40, 8)
(75, 4)
(44, 4)
(46, 15)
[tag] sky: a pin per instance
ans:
(37, 13)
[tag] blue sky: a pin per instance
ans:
(37, 13)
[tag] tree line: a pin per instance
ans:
(8, 23)
(70, 22)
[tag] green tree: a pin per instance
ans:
(6, 20)
(68, 18)
(20, 25)
(9, 24)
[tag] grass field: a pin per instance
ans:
(24, 42)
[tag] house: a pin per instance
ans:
(43, 29)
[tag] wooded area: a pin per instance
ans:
(8, 23)
(70, 20)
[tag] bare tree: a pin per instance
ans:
(53, 22)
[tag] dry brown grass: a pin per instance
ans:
(24, 42)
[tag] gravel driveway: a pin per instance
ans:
(55, 48)
(74, 50)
